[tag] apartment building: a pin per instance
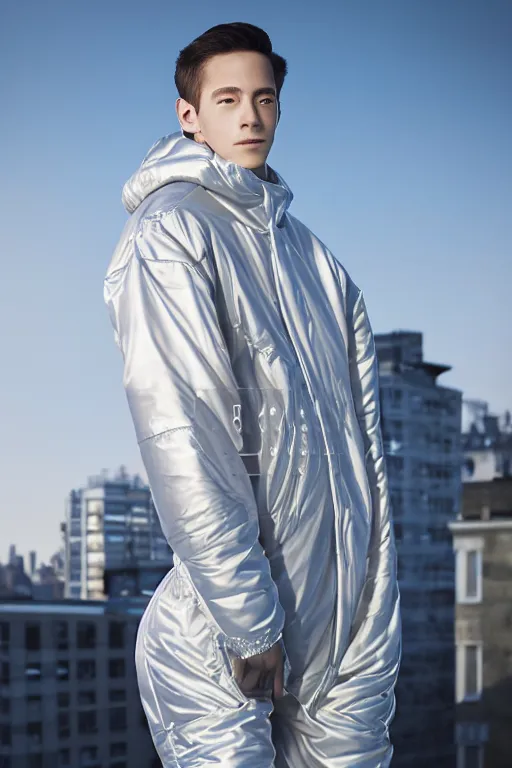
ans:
(482, 540)
(421, 422)
(68, 689)
(110, 523)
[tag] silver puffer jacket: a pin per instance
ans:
(251, 376)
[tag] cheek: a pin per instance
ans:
(218, 138)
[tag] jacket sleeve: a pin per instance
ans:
(375, 651)
(364, 378)
(181, 392)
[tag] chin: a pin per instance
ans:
(252, 166)
(253, 163)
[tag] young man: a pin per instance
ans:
(251, 376)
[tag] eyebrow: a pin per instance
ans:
(234, 89)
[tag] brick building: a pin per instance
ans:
(482, 540)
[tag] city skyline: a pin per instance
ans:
(394, 139)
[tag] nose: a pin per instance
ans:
(250, 116)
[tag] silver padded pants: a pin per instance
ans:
(199, 717)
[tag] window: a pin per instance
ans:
(60, 635)
(470, 756)
(5, 705)
(395, 466)
(86, 698)
(63, 725)
(64, 758)
(118, 749)
(88, 756)
(87, 721)
(116, 634)
(115, 518)
(62, 670)
(34, 706)
(95, 558)
(33, 671)
(86, 635)
(471, 687)
(63, 700)
(116, 668)
(117, 695)
(4, 673)
(94, 523)
(86, 669)
(469, 569)
(117, 719)
(33, 637)
(469, 672)
(34, 734)
(472, 573)
(5, 735)
(95, 542)
(35, 761)
(4, 635)
(95, 585)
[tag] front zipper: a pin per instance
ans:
(335, 650)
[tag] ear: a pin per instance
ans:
(187, 116)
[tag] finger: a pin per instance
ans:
(251, 681)
(266, 683)
(263, 690)
(279, 680)
(238, 666)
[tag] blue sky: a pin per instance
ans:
(395, 138)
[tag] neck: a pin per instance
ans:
(261, 172)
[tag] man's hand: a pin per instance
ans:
(261, 675)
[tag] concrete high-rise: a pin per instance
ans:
(421, 422)
(111, 523)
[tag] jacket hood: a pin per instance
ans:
(176, 158)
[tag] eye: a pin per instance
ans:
(270, 101)
(224, 100)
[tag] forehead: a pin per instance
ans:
(244, 69)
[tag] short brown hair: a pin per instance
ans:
(223, 38)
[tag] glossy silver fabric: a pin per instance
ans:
(251, 376)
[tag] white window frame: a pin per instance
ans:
(462, 547)
(461, 755)
(460, 682)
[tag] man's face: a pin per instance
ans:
(238, 102)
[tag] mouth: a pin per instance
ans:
(251, 141)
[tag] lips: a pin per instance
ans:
(251, 141)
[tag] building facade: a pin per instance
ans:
(110, 523)
(421, 423)
(482, 541)
(487, 444)
(68, 688)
